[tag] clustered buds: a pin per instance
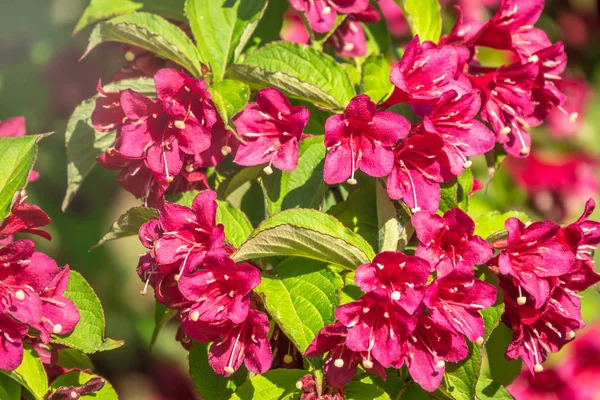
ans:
(32, 304)
(188, 266)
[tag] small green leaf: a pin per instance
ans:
(424, 18)
(152, 33)
(88, 335)
(350, 291)
(222, 28)
(71, 359)
(30, 374)
(237, 226)
(356, 390)
(376, 78)
(273, 384)
(487, 389)
(306, 233)
(79, 378)
(18, 156)
(301, 296)
(99, 10)
(84, 144)
(465, 185)
(493, 222)
(299, 71)
(390, 228)
(128, 224)
(230, 97)
(448, 196)
(162, 316)
(10, 389)
(208, 383)
(501, 370)
(304, 186)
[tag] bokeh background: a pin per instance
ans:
(42, 78)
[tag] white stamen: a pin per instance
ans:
(179, 124)
(195, 316)
(20, 295)
(479, 341)
(57, 329)
(440, 364)
(538, 368)
(368, 364)
(395, 295)
(268, 170)
(339, 363)
(228, 370)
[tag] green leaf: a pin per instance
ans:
(299, 71)
(465, 185)
(88, 335)
(230, 97)
(376, 78)
(162, 316)
(18, 156)
(79, 378)
(502, 370)
(364, 391)
(301, 296)
(271, 385)
(9, 388)
(304, 186)
(487, 389)
(71, 359)
(208, 383)
(84, 144)
(493, 222)
(222, 28)
(350, 291)
(128, 224)
(390, 228)
(99, 10)
(448, 196)
(152, 33)
(30, 374)
(424, 18)
(306, 233)
(237, 226)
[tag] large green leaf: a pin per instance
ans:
(99, 10)
(18, 155)
(301, 295)
(376, 78)
(237, 226)
(424, 18)
(222, 28)
(152, 33)
(30, 374)
(306, 233)
(128, 224)
(84, 144)
(230, 97)
(299, 71)
(79, 378)
(304, 186)
(208, 383)
(271, 385)
(88, 335)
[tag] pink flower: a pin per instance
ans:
(581, 369)
(11, 345)
(453, 118)
(565, 121)
(361, 138)
(349, 39)
(321, 14)
(341, 362)
(396, 23)
(448, 243)
(272, 128)
(420, 165)
(545, 385)
(293, 29)
(24, 218)
(376, 326)
(402, 277)
(455, 300)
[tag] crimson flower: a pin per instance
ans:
(361, 138)
(108, 114)
(376, 326)
(24, 218)
(321, 14)
(402, 276)
(545, 385)
(565, 121)
(272, 128)
(448, 242)
(455, 300)
(428, 348)
(349, 39)
(420, 165)
(453, 118)
(11, 345)
(341, 362)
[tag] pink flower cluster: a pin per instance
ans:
(542, 267)
(188, 266)
(406, 318)
(32, 305)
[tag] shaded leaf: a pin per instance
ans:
(128, 224)
(488, 389)
(162, 316)
(30, 374)
(208, 383)
(273, 384)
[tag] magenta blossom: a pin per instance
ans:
(376, 326)
(349, 39)
(321, 14)
(565, 120)
(455, 300)
(545, 385)
(24, 218)
(341, 362)
(11, 345)
(420, 165)
(402, 276)
(272, 128)
(361, 138)
(108, 113)
(448, 242)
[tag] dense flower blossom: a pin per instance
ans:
(448, 242)
(341, 362)
(272, 128)
(402, 276)
(361, 138)
(420, 165)
(349, 38)
(321, 14)
(455, 300)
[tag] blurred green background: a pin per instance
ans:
(41, 78)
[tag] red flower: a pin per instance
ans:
(11, 345)
(361, 138)
(108, 114)
(321, 14)
(24, 218)
(349, 39)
